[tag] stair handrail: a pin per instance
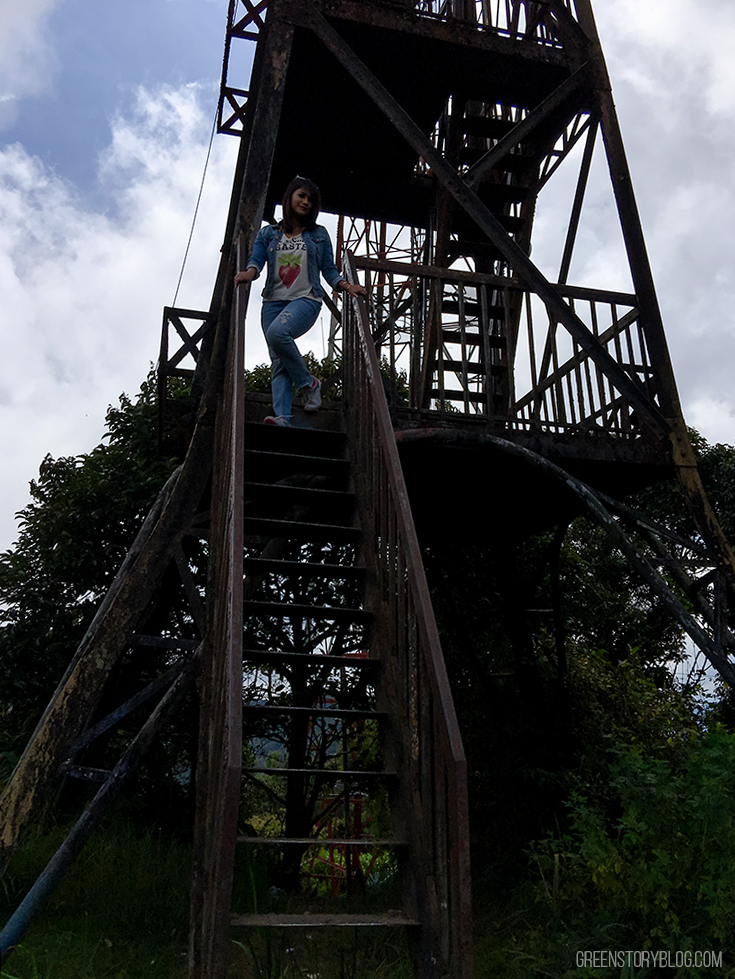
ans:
(406, 630)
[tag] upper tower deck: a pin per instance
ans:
(438, 132)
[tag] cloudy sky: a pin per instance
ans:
(105, 115)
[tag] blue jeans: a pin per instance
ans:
(282, 323)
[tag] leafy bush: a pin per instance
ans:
(657, 858)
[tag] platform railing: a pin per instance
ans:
(568, 391)
(463, 343)
(430, 749)
(518, 19)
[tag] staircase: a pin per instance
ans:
(331, 759)
(310, 687)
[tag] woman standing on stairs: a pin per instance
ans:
(296, 250)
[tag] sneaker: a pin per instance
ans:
(280, 420)
(313, 396)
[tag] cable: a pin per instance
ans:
(196, 209)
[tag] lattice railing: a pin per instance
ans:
(567, 389)
(245, 20)
(481, 345)
(519, 19)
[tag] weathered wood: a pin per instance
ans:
(363, 843)
(415, 673)
(220, 753)
(31, 786)
(384, 919)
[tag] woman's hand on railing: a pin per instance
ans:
(247, 275)
(352, 288)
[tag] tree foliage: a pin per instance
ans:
(83, 515)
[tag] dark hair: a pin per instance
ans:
(316, 202)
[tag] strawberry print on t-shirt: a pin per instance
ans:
(289, 268)
(293, 280)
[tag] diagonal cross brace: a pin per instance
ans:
(523, 129)
(307, 15)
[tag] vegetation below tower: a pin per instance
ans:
(602, 774)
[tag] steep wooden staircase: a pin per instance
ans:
(334, 693)
(329, 752)
(310, 683)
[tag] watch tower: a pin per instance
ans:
(437, 131)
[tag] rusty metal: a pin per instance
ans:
(697, 572)
(435, 817)
(245, 20)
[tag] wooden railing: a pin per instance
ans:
(220, 742)
(429, 748)
(458, 342)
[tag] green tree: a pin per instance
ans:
(83, 515)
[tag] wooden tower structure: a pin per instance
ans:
(435, 128)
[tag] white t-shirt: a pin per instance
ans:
(292, 268)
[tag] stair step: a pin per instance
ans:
(363, 843)
(476, 397)
(334, 613)
(510, 163)
(306, 494)
(317, 712)
(311, 659)
(301, 569)
(472, 308)
(286, 463)
(462, 223)
(488, 127)
(457, 367)
(299, 530)
(385, 919)
(483, 251)
(298, 441)
(338, 774)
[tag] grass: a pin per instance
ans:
(120, 913)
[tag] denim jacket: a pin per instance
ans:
(318, 250)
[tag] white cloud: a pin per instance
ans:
(83, 290)
(673, 79)
(27, 60)
(716, 416)
(689, 42)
